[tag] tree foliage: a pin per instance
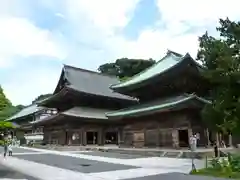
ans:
(41, 97)
(6, 110)
(221, 56)
(4, 102)
(124, 67)
(10, 111)
(4, 125)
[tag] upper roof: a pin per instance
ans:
(26, 111)
(171, 60)
(90, 82)
(160, 105)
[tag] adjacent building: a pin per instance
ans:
(25, 119)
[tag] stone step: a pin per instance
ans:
(172, 154)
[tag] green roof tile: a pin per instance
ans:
(158, 105)
(25, 112)
(163, 65)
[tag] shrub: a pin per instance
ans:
(228, 168)
(1, 142)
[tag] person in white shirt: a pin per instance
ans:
(10, 149)
(193, 142)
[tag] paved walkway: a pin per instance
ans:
(55, 165)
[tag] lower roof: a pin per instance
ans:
(26, 112)
(86, 112)
(165, 104)
(161, 105)
(78, 112)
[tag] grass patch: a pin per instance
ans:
(225, 168)
(215, 173)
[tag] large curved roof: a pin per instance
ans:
(91, 82)
(168, 62)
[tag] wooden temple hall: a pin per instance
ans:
(159, 107)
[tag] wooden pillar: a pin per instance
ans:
(145, 138)
(66, 136)
(81, 136)
(217, 139)
(158, 136)
(230, 140)
(175, 138)
(84, 137)
(100, 137)
(119, 136)
(208, 138)
(49, 137)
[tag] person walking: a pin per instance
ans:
(10, 149)
(5, 148)
(215, 148)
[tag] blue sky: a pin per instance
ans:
(37, 37)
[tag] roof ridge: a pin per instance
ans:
(141, 71)
(90, 71)
(169, 53)
(173, 52)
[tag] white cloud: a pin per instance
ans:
(104, 14)
(20, 38)
(198, 13)
(30, 83)
(93, 25)
(184, 21)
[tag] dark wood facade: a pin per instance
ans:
(169, 128)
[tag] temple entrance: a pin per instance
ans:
(183, 138)
(111, 137)
(92, 137)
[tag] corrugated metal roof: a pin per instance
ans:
(156, 105)
(92, 82)
(26, 111)
(86, 112)
(163, 65)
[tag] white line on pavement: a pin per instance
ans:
(78, 151)
(11, 179)
(29, 153)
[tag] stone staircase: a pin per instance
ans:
(200, 154)
(172, 154)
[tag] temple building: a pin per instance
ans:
(171, 95)
(82, 99)
(25, 119)
(159, 107)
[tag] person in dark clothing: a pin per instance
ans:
(215, 146)
(5, 149)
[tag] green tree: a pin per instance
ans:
(10, 111)
(41, 97)
(221, 56)
(124, 67)
(4, 102)
(6, 109)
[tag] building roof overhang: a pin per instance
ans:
(162, 105)
(169, 62)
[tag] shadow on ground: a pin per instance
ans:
(9, 173)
